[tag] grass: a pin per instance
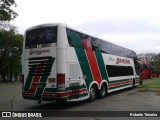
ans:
(151, 83)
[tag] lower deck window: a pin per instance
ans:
(115, 71)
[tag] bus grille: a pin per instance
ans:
(40, 66)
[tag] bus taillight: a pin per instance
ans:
(61, 81)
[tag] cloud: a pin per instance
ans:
(139, 42)
(129, 23)
(119, 26)
(138, 35)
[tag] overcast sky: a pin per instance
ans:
(134, 24)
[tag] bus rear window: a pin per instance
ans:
(43, 36)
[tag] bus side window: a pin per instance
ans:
(86, 44)
(115, 71)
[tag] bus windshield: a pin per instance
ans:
(43, 36)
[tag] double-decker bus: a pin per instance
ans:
(62, 64)
(147, 70)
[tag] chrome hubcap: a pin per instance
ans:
(92, 93)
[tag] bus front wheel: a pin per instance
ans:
(102, 91)
(133, 83)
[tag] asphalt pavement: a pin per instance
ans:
(124, 100)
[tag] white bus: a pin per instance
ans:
(63, 64)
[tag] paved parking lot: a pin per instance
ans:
(125, 100)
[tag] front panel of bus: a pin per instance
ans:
(39, 61)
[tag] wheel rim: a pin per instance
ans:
(103, 91)
(92, 93)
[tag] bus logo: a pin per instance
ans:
(38, 52)
(124, 61)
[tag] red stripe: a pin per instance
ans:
(66, 93)
(87, 44)
(37, 78)
(137, 80)
(70, 93)
(94, 66)
(118, 83)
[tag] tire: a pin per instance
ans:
(92, 93)
(141, 81)
(133, 84)
(102, 91)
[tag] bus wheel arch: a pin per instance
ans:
(103, 90)
(133, 83)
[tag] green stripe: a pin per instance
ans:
(101, 65)
(28, 82)
(114, 87)
(82, 58)
(76, 40)
(33, 70)
(84, 65)
(43, 79)
(29, 79)
(73, 96)
(124, 80)
(83, 95)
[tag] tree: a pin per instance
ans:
(10, 42)
(153, 59)
(6, 13)
(156, 64)
(148, 57)
(5, 25)
(10, 52)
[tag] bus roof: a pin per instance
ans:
(116, 47)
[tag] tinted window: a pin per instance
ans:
(43, 36)
(115, 71)
(90, 43)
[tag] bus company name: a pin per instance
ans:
(124, 61)
(38, 52)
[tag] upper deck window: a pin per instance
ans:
(84, 41)
(43, 36)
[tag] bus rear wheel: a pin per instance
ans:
(102, 91)
(133, 83)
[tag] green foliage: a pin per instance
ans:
(10, 52)
(153, 59)
(10, 42)
(153, 83)
(6, 13)
(157, 64)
